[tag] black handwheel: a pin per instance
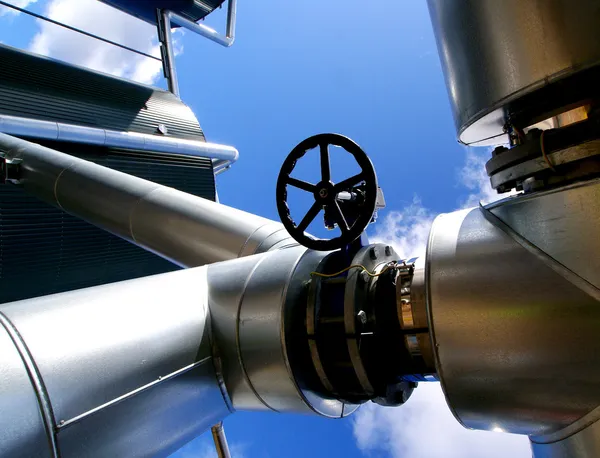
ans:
(326, 193)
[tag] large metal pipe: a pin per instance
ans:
(61, 132)
(124, 369)
(495, 53)
(187, 230)
(255, 304)
(139, 368)
(514, 303)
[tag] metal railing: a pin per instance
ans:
(164, 20)
(222, 156)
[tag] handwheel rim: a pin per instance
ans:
(367, 175)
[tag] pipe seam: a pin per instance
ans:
(37, 384)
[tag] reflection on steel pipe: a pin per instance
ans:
(139, 368)
(490, 54)
(512, 297)
(221, 165)
(126, 369)
(57, 131)
(218, 434)
(182, 228)
(204, 30)
(231, 18)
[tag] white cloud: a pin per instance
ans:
(406, 230)
(424, 426)
(474, 177)
(107, 22)
(5, 11)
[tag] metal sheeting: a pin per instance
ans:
(515, 332)
(24, 434)
(125, 369)
(146, 10)
(44, 250)
(55, 91)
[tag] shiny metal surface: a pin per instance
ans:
(564, 223)
(414, 316)
(583, 444)
(137, 338)
(557, 158)
(182, 228)
(514, 331)
(250, 300)
(221, 446)
(246, 301)
(127, 366)
(205, 31)
(22, 431)
(154, 423)
(47, 130)
(37, 383)
(260, 326)
(221, 165)
(493, 52)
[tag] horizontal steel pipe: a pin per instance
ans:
(61, 132)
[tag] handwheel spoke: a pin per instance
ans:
(348, 183)
(325, 168)
(339, 218)
(308, 218)
(301, 184)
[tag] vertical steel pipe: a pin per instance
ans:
(496, 52)
(218, 434)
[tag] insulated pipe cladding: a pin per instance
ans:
(185, 229)
(502, 310)
(141, 367)
(513, 302)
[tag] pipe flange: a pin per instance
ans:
(358, 311)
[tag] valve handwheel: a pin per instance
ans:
(326, 193)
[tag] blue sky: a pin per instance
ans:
(297, 69)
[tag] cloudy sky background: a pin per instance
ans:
(295, 70)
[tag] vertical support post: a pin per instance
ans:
(218, 434)
(163, 21)
(166, 50)
(231, 17)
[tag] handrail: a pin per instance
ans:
(57, 131)
(75, 29)
(166, 17)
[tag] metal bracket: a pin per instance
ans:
(164, 20)
(10, 170)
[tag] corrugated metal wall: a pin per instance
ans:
(146, 9)
(42, 88)
(42, 249)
